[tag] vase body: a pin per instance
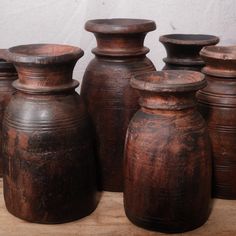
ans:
(7, 76)
(167, 155)
(49, 174)
(217, 103)
(105, 88)
(183, 50)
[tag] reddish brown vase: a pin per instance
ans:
(183, 50)
(110, 99)
(167, 154)
(7, 76)
(49, 172)
(217, 103)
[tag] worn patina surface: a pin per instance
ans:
(110, 100)
(49, 174)
(217, 103)
(167, 154)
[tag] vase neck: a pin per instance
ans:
(220, 70)
(220, 61)
(43, 78)
(184, 49)
(183, 54)
(120, 45)
(167, 101)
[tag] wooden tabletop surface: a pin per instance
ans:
(109, 219)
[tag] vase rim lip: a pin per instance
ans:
(226, 53)
(169, 81)
(44, 53)
(120, 26)
(190, 39)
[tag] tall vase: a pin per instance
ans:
(7, 75)
(49, 172)
(167, 154)
(183, 50)
(217, 103)
(110, 100)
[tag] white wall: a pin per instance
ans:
(62, 21)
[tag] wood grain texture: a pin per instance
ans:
(109, 219)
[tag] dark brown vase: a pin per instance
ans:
(217, 103)
(167, 154)
(110, 99)
(7, 76)
(183, 50)
(49, 172)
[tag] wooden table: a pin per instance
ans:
(109, 219)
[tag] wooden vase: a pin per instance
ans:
(167, 154)
(49, 169)
(105, 88)
(217, 103)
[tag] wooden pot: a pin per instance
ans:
(105, 88)
(49, 169)
(167, 154)
(217, 103)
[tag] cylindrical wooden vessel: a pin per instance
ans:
(167, 154)
(7, 76)
(110, 99)
(217, 103)
(183, 50)
(49, 170)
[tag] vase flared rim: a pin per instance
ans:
(120, 26)
(189, 39)
(44, 53)
(169, 81)
(226, 53)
